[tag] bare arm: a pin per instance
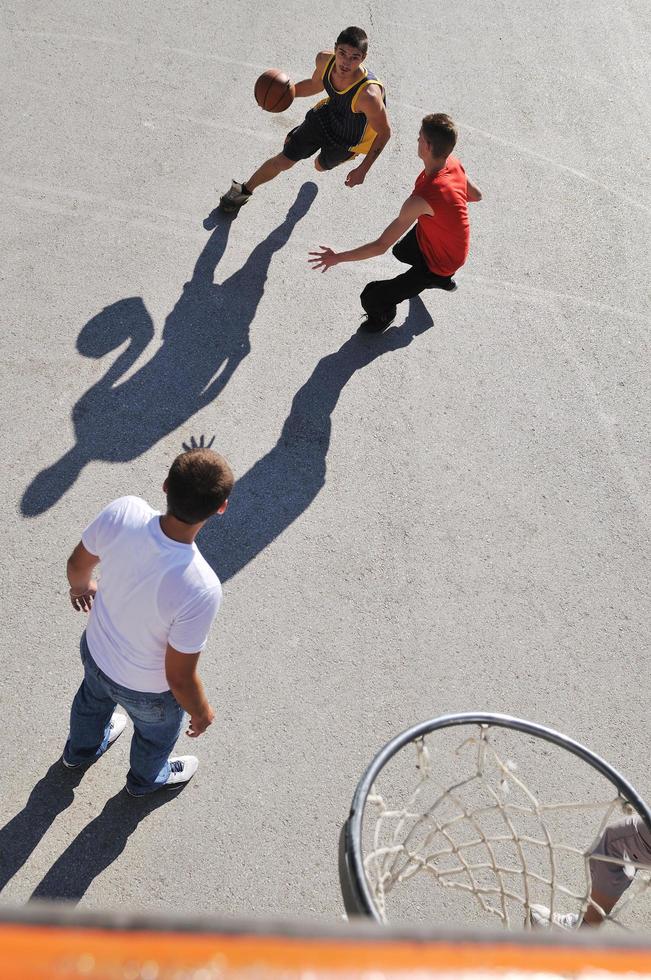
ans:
(314, 85)
(474, 194)
(186, 686)
(370, 102)
(80, 571)
(410, 211)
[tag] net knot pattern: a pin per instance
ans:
(492, 838)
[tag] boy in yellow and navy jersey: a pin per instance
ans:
(351, 120)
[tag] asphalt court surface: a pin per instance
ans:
(452, 516)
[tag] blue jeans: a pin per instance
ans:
(157, 721)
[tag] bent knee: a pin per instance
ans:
(319, 166)
(284, 162)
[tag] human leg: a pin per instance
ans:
(599, 907)
(380, 299)
(238, 194)
(268, 170)
(621, 846)
(407, 250)
(157, 721)
(301, 142)
(612, 862)
(90, 715)
(332, 156)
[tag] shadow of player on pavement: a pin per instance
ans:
(282, 485)
(205, 339)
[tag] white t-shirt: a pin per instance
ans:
(152, 591)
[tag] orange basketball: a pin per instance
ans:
(274, 91)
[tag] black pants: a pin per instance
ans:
(383, 296)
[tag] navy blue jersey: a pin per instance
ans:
(338, 116)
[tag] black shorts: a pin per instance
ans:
(303, 141)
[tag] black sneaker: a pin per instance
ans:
(443, 282)
(233, 199)
(377, 322)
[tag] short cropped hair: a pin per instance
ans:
(198, 483)
(355, 37)
(440, 132)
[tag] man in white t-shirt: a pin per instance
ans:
(149, 620)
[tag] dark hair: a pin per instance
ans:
(198, 483)
(355, 37)
(440, 132)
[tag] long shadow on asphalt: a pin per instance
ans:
(53, 794)
(97, 846)
(205, 339)
(283, 484)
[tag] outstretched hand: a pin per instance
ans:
(323, 259)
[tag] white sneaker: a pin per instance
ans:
(182, 769)
(117, 725)
(540, 917)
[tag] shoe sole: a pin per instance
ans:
(167, 786)
(229, 207)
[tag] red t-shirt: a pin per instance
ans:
(444, 237)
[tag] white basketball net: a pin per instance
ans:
(491, 837)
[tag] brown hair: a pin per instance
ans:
(440, 133)
(355, 37)
(198, 483)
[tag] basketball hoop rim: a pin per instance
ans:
(351, 865)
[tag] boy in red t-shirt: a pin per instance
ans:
(438, 244)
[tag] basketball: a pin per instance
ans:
(274, 91)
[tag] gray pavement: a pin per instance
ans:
(452, 516)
